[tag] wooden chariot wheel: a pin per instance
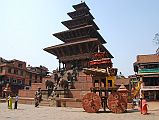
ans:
(91, 102)
(116, 103)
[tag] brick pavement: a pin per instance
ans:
(29, 112)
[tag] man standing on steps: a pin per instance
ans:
(38, 97)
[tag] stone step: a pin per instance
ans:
(2, 100)
(42, 104)
(45, 103)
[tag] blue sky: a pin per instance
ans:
(128, 26)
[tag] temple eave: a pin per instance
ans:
(88, 30)
(71, 49)
(75, 57)
(80, 5)
(61, 47)
(77, 14)
(83, 21)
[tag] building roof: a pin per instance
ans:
(147, 58)
(2, 60)
(75, 48)
(79, 22)
(80, 6)
(79, 13)
(124, 81)
(77, 33)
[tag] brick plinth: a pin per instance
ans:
(68, 102)
(70, 98)
(27, 93)
(23, 100)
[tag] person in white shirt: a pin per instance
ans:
(16, 101)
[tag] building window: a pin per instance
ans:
(8, 80)
(12, 70)
(15, 71)
(21, 73)
(29, 82)
(0, 69)
(20, 82)
(20, 65)
(40, 79)
(151, 81)
(30, 76)
(9, 70)
(14, 81)
(1, 81)
(36, 77)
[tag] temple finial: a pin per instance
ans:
(81, 1)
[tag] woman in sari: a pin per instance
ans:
(10, 103)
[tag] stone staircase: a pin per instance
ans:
(68, 98)
(48, 103)
(73, 97)
(2, 100)
(45, 103)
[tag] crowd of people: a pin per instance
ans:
(38, 98)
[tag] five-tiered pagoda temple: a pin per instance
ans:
(80, 40)
(81, 43)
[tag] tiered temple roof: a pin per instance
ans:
(81, 39)
(79, 33)
(78, 22)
